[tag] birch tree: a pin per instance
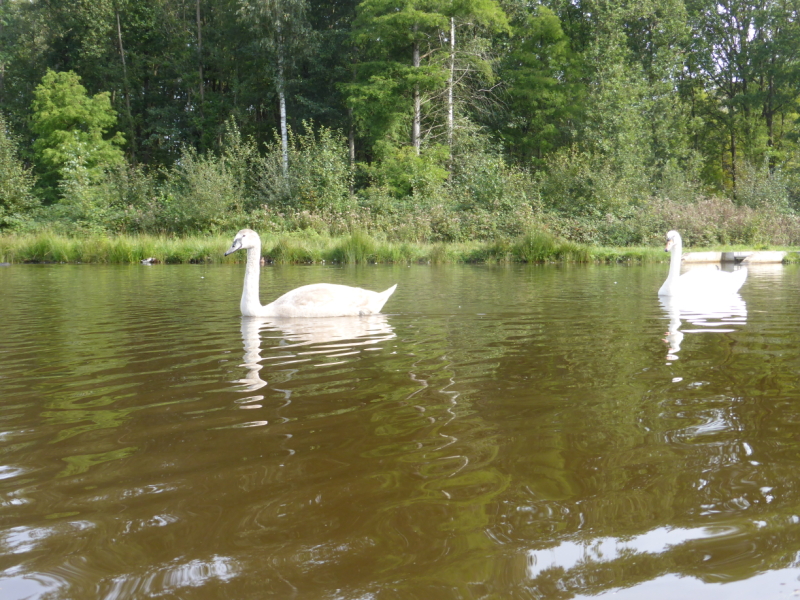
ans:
(283, 33)
(410, 55)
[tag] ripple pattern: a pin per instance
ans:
(514, 432)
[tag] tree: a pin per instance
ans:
(747, 57)
(386, 30)
(68, 123)
(544, 92)
(283, 33)
(16, 182)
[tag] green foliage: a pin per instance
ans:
(358, 248)
(404, 54)
(584, 185)
(319, 177)
(405, 173)
(605, 122)
(202, 194)
(544, 89)
(17, 201)
(84, 199)
(70, 126)
(762, 187)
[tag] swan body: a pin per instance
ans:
(697, 282)
(315, 300)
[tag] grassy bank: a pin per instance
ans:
(534, 247)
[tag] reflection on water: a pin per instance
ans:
(307, 340)
(714, 314)
(507, 432)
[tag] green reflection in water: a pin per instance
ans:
(82, 463)
(517, 432)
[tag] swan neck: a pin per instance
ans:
(676, 253)
(251, 305)
(671, 283)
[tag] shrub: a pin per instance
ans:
(202, 194)
(319, 175)
(17, 201)
(762, 187)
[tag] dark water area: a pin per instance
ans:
(501, 432)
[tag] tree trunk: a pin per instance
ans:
(769, 111)
(415, 127)
(733, 156)
(200, 56)
(351, 143)
(127, 87)
(280, 84)
(450, 83)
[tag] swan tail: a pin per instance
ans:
(382, 297)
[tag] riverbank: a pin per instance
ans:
(304, 248)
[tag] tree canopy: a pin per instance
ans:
(602, 105)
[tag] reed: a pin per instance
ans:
(357, 248)
(289, 249)
(535, 246)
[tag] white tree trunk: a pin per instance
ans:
(415, 127)
(450, 83)
(282, 103)
(351, 142)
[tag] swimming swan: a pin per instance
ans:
(315, 300)
(697, 282)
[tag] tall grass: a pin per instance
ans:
(50, 247)
(357, 248)
(535, 246)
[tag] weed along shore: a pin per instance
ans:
(300, 248)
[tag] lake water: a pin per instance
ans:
(501, 432)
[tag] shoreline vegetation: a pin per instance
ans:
(502, 132)
(304, 248)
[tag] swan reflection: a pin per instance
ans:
(705, 315)
(291, 341)
(251, 339)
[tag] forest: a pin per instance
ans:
(601, 122)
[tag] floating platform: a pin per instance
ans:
(745, 257)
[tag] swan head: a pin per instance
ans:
(244, 240)
(673, 239)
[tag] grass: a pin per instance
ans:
(536, 246)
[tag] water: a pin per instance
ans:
(501, 432)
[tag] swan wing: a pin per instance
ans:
(711, 281)
(327, 300)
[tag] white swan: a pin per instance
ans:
(697, 282)
(315, 300)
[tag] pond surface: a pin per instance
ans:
(501, 432)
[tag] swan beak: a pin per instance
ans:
(669, 246)
(236, 245)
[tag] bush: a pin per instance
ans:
(138, 194)
(762, 187)
(583, 185)
(17, 201)
(319, 175)
(83, 203)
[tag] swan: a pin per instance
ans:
(315, 300)
(697, 282)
